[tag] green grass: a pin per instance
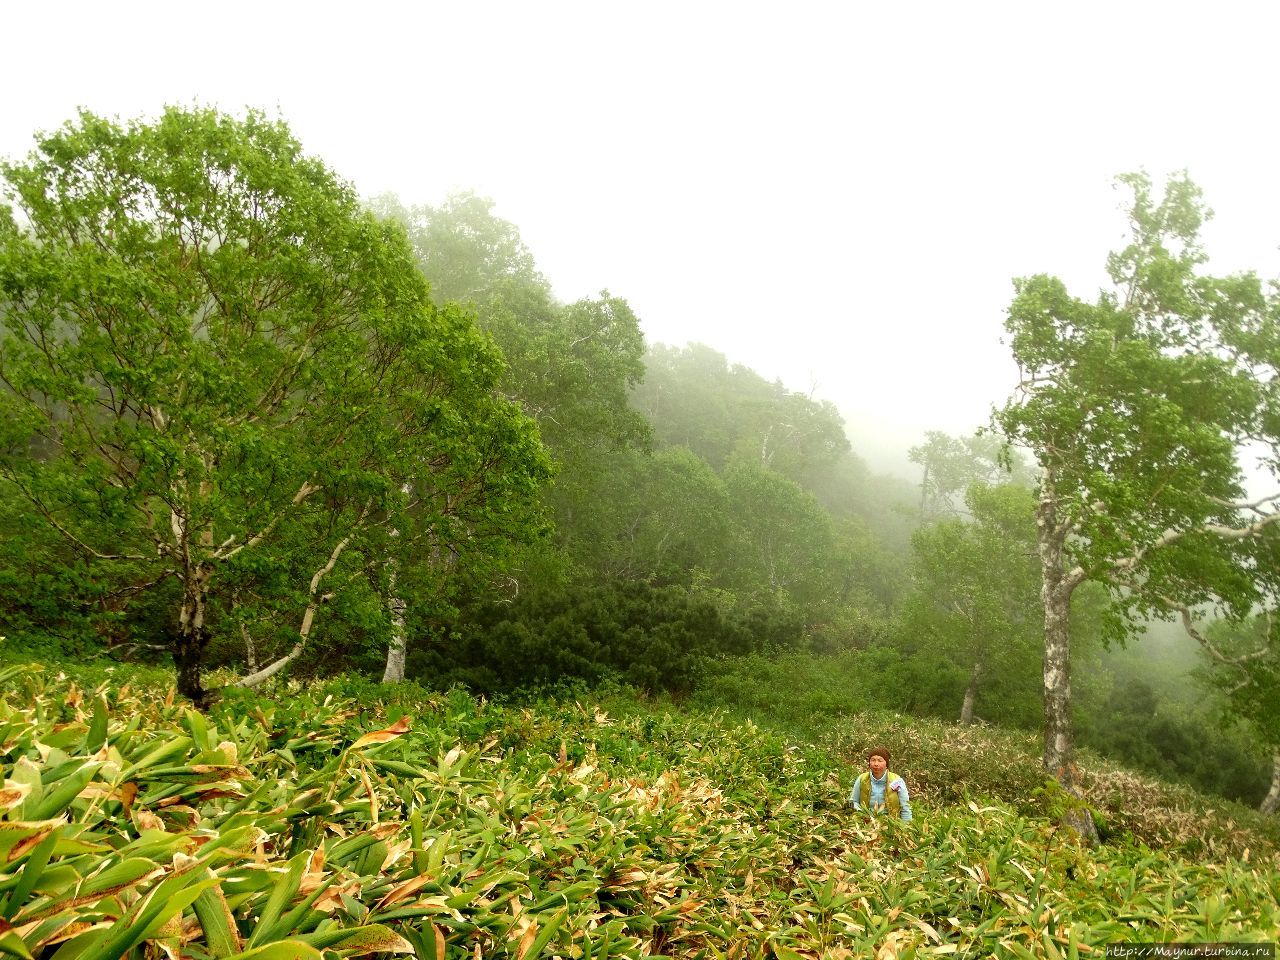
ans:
(343, 818)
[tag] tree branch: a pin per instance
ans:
(1216, 529)
(1188, 624)
(304, 491)
(67, 534)
(308, 617)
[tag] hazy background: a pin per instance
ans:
(834, 194)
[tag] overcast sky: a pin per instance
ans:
(834, 194)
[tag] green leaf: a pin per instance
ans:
(31, 873)
(17, 836)
(13, 945)
(167, 900)
(162, 751)
(63, 793)
(220, 933)
(285, 889)
(97, 735)
(371, 938)
(545, 933)
(293, 949)
(28, 774)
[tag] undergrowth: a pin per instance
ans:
(349, 818)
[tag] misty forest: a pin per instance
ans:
(358, 595)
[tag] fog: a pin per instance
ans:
(837, 195)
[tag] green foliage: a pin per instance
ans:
(806, 693)
(660, 517)
(570, 366)
(654, 638)
(1137, 405)
(441, 826)
(952, 465)
(695, 399)
(977, 598)
(227, 380)
(1244, 666)
(1140, 726)
(781, 541)
(804, 519)
(1137, 408)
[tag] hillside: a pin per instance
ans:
(341, 819)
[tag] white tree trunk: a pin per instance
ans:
(250, 650)
(970, 695)
(1271, 802)
(396, 606)
(394, 671)
(1057, 586)
(1055, 595)
(308, 619)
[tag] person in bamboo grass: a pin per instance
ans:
(879, 790)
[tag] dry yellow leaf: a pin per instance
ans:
(404, 890)
(526, 940)
(13, 794)
(397, 729)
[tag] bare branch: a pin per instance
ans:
(309, 616)
(304, 491)
(67, 534)
(1189, 624)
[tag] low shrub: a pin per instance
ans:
(307, 823)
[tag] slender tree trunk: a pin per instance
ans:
(304, 634)
(1057, 586)
(191, 638)
(192, 635)
(397, 606)
(970, 695)
(1271, 802)
(315, 599)
(1059, 738)
(250, 650)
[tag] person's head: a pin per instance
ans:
(878, 761)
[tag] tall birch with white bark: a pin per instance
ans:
(1143, 409)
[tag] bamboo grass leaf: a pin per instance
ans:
(397, 729)
(285, 889)
(58, 797)
(167, 900)
(282, 950)
(13, 945)
(211, 910)
(370, 938)
(31, 873)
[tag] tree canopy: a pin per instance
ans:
(215, 357)
(1137, 408)
(977, 596)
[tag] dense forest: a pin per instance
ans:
(261, 427)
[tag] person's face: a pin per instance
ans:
(877, 764)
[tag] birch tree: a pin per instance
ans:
(1138, 408)
(975, 602)
(214, 356)
(949, 465)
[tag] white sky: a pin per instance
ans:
(835, 194)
